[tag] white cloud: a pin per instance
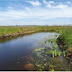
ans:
(35, 16)
(34, 3)
(60, 6)
(41, 14)
(57, 6)
(49, 4)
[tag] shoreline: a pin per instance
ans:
(63, 47)
(64, 39)
(17, 34)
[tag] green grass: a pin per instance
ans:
(66, 36)
(65, 32)
(6, 30)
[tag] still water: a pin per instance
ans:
(17, 53)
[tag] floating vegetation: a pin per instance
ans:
(38, 49)
(54, 53)
(64, 53)
(55, 45)
(57, 64)
(51, 67)
(56, 35)
(48, 57)
(59, 53)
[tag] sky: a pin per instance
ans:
(35, 12)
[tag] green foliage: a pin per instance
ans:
(65, 32)
(64, 53)
(38, 49)
(54, 53)
(66, 36)
(59, 53)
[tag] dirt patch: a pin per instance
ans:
(29, 66)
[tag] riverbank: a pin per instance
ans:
(64, 40)
(9, 31)
(65, 31)
(65, 43)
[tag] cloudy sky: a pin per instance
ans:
(35, 12)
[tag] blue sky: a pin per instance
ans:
(35, 12)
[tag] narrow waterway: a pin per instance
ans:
(20, 53)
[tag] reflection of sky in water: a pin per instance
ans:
(12, 50)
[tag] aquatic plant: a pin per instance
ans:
(51, 67)
(39, 67)
(56, 35)
(55, 45)
(51, 52)
(45, 43)
(49, 44)
(38, 49)
(54, 53)
(57, 64)
(51, 40)
(65, 34)
(64, 53)
(68, 68)
(59, 53)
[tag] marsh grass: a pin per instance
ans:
(64, 53)
(49, 59)
(54, 53)
(64, 31)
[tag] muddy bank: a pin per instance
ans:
(64, 48)
(25, 33)
(17, 34)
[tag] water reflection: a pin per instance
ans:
(22, 53)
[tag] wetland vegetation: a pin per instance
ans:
(53, 53)
(49, 56)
